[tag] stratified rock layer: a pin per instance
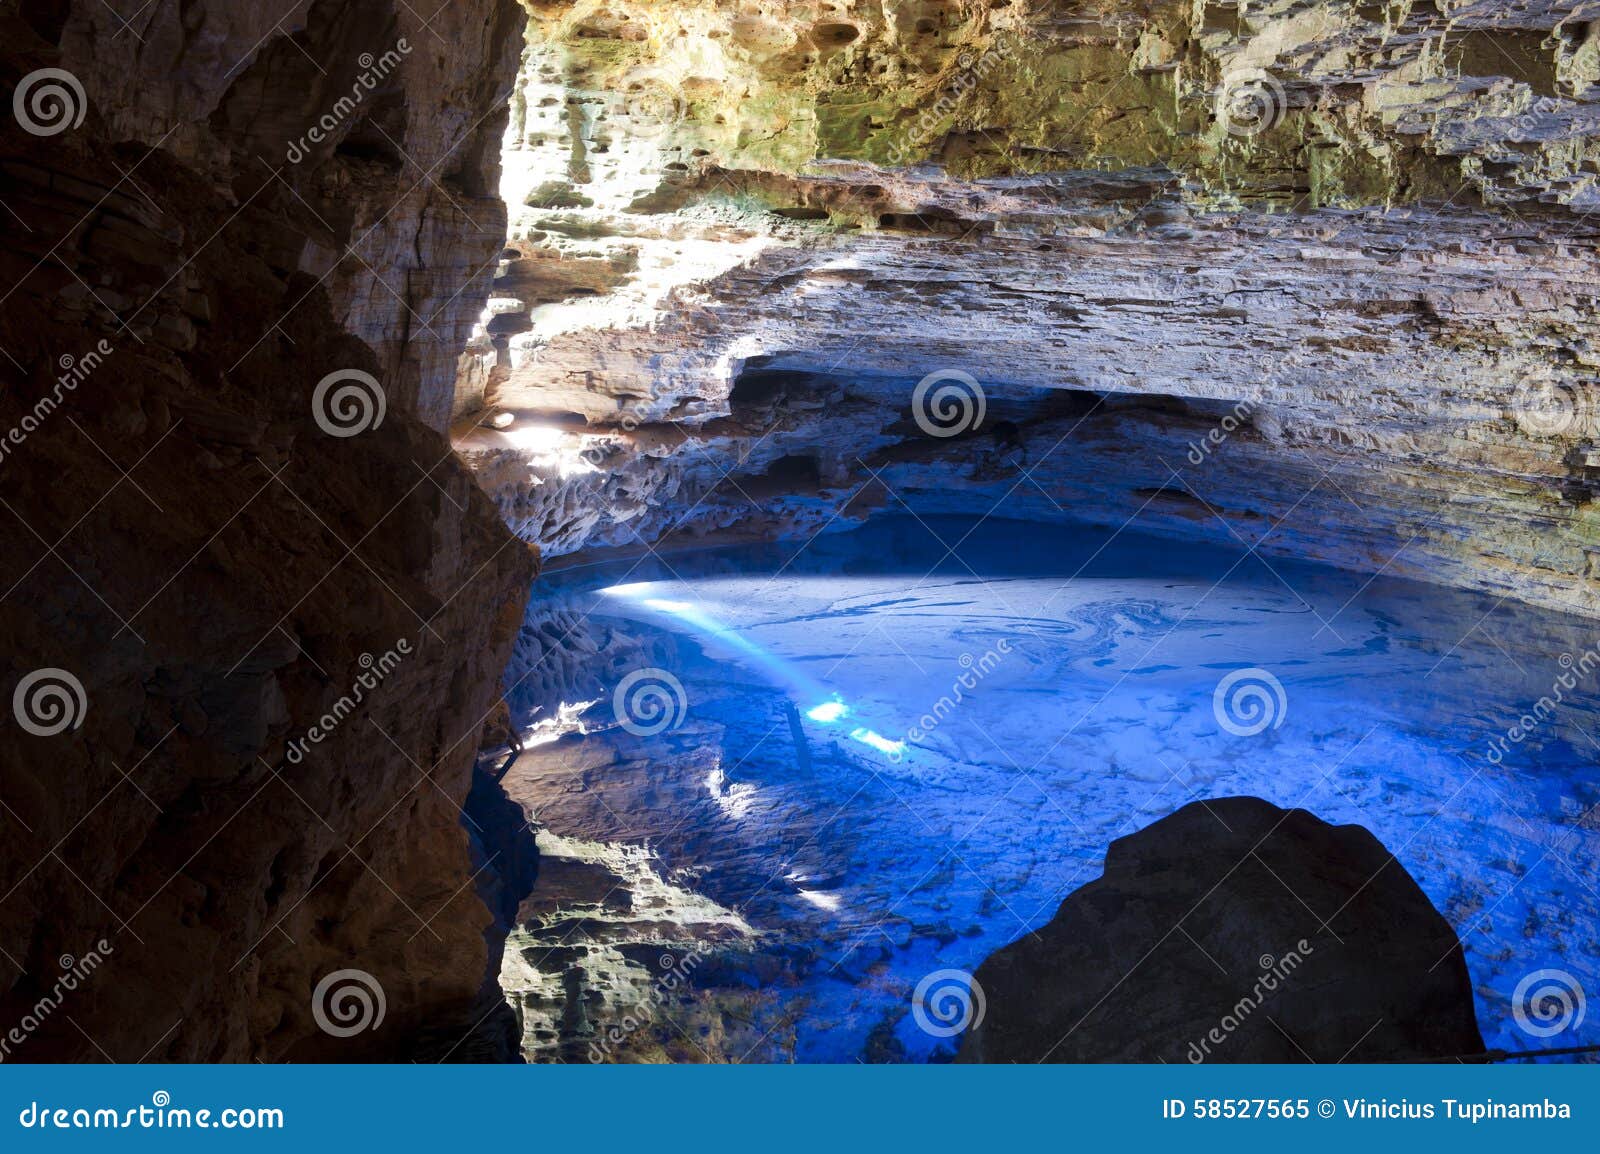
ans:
(1379, 295)
(1327, 102)
(1233, 931)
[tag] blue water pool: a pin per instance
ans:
(832, 770)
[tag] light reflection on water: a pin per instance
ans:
(905, 745)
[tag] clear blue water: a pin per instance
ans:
(1089, 711)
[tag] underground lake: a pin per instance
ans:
(782, 785)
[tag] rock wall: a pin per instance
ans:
(1350, 241)
(253, 627)
(1325, 102)
(371, 134)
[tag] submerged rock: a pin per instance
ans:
(1233, 931)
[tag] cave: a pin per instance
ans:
(694, 532)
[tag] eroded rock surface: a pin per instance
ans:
(368, 131)
(1381, 290)
(1340, 102)
(1233, 931)
(275, 646)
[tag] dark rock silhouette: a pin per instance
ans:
(207, 574)
(1233, 931)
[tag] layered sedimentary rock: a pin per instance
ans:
(1233, 931)
(1313, 278)
(253, 625)
(1341, 103)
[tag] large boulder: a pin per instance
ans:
(1233, 931)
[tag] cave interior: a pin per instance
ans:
(694, 531)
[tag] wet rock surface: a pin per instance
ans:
(1233, 931)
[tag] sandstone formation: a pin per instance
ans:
(1233, 931)
(1353, 238)
(273, 622)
